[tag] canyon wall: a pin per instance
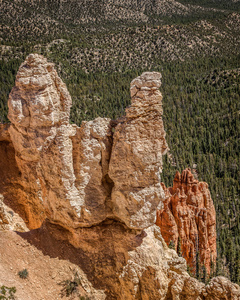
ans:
(91, 193)
(188, 220)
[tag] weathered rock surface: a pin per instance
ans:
(126, 264)
(39, 107)
(221, 288)
(4, 134)
(119, 261)
(9, 220)
(91, 154)
(62, 167)
(10, 177)
(136, 159)
(93, 194)
(189, 218)
(80, 176)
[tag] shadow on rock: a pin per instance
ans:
(101, 251)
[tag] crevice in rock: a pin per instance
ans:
(10, 177)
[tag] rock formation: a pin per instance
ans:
(136, 158)
(188, 219)
(9, 220)
(69, 173)
(64, 169)
(92, 192)
(39, 107)
(221, 288)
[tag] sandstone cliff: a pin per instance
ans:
(188, 219)
(92, 193)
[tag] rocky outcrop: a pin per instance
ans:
(188, 220)
(9, 220)
(62, 167)
(81, 176)
(92, 192)
(136, 159)
(221, 288)
(39, 107)
(91, 154)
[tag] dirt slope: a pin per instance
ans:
(45, 273)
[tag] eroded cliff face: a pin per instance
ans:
(69, 173)
(188, 219)
(39, 107)
(93, 191)
(136, 158)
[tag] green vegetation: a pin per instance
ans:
(7, 293)
(217, 4)
(171, 245)
(198, 55)
(203, 122)
(23, 274)
(70, 287)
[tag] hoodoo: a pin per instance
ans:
(78, 177)
(92, 193)
(188, 220)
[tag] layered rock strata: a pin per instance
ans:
(188, 220)
(93, 191)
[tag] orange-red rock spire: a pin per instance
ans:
(188, 217)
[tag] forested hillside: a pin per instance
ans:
(194, 44)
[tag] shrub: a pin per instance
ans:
(70, 286)
(23, 274)
(7, 293)
(171, 245)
